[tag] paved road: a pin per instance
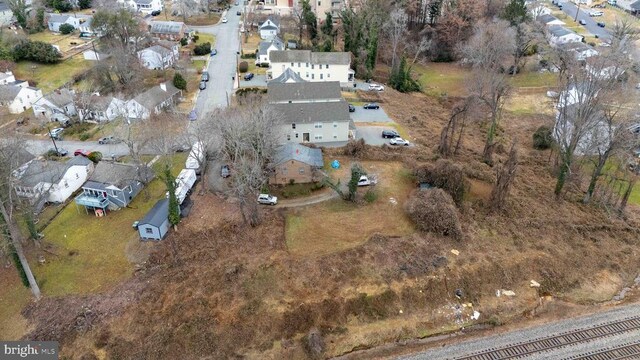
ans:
(570, 9)
(38, 147)
(222, 67)
(459, 350)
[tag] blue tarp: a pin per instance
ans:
(335, 164)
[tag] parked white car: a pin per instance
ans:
(366, 181)
(267, 199)
(596, 13)
(224, 20)
(398, 141)
(376, 87)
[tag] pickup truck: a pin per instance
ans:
(366, 180)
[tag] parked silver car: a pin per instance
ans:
(267, 199)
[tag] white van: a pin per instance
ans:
(196, 157)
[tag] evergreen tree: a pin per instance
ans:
(372, 52)
(174, 207)
(401, 79)
(516, 12)
(179, 82)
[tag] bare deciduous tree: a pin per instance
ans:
(504, 179)
(487, 50)
(396, 28)
(451, 134)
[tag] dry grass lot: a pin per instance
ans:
(338, 225)
(49, 77)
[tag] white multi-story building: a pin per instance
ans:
(311, 112)
(18, 96)
(313, 66)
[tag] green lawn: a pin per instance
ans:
(94, 253)
(49, 77)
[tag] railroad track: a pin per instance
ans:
(524, 348)
(626, 351)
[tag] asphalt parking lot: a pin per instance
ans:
(370, 115)
(372, 135)
(257, 81)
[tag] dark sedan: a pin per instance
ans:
(352, 108)
(373, 106)
(390, 134)
(248, 76)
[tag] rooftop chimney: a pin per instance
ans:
(163, 86)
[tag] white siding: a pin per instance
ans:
(71, 181)
(318, 132)
(314, 72)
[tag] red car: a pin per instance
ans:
(81, 152)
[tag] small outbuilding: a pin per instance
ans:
(155, 225)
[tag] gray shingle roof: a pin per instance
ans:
(559, 31)
(60, 97)
(545, 19)
(8, 93)
(635, 5)
(39, 171)
(292, 151)
(4, 7)
(303, 91)
(166, 27)
(575, 46)
(100, 103)
(306, 56)
(288, 76)
(118, 175)
(144, 2)
(158, 214)
(78, 160)
(56, 18)
(264, 45)
(154, 96)
(158, 49)
(312, 112)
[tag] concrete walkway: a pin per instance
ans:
(325, 196)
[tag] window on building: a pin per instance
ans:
(335, 136)
(313, 76)
(77, 176)
(296, 135)
(148, 230)
(293, 126)
(299, 65)
(328, 76)
(291, 64)
(318, 125)
(318, 137)
(113, 193)
(335, 124)
(306, 64)
(301, 170)
(311, 66)
(307, 75)
(321, 77)
(318, 3)
(288, 137)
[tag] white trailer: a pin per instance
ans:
(196, 157)
(184, 183)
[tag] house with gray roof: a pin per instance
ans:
(313, 66)
(310, 112)
(561, 35)
(153, 101)
(168, 30)
(6, 15)
(59, 101)
(579, 50)
(18, 96)
(113, 185)
(269, 29)
(46, 181)
(265, 48)
(296, 163)
(101, 108)
(56, 20)
(549, 20)
(157, 57)
(155, 224)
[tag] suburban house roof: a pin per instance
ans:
(306, 56)
(157, 215)
(265, 45)
(576, 46)
(301, 153)
(8, 93)
(87, 22)
(559, 31)
(60, 97)
(166, 27)
(288, 76)
(143, 2)
(546, 18)
(154, 96)
(158, 49)
(268, 26)
(5, 75)
(635, 5)
(78, 160)
(39, 171)
(100, 103)
(56, 18)
(4, 7)
(277, 91)
(312, 112)
(118, 175)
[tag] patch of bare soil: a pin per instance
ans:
(235, 291)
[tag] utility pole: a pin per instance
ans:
(53, 140)
(577, 11)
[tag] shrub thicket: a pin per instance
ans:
(202, 49)
(542, 138)
(445, 175)
(243, 67)
(433, 210)
(66, 29)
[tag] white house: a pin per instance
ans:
(595, 138)
(311, 112)
(51, 181)
(7, 78)
(6, 15)
(153, 101)
(579, 50)
(157, 57)
(148, 6)
(313, 66)
(60, 101)
(280, 7)
(102, 108)
(18, 98)
(55, 21)
(265, 48)
(85, 27)
(561, 35)
(269, 29)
